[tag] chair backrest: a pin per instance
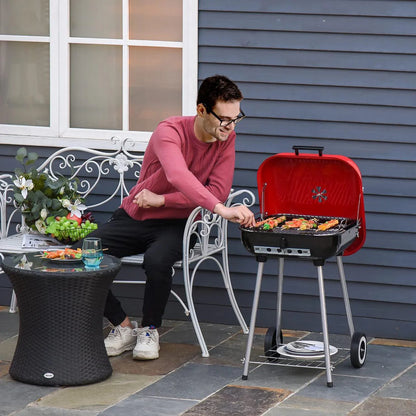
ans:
(103, 175)
(93, 166)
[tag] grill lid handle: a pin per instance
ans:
(319, 149)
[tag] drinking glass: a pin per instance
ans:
(92, 252)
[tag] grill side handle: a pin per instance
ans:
(319, 149)
(263, 191)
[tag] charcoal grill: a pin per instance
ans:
(316, 188)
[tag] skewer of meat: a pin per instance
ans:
(328, 224)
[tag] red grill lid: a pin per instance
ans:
(312, 184)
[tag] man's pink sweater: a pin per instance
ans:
(188, 172)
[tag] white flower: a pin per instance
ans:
(24, 184)
(75, 208)
(40, 226)
(44, 213)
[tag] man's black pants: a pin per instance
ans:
(161, 242)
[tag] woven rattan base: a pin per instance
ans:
(60, 334)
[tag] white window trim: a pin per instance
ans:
(58, 134)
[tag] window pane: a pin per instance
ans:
(155, 86)
(96, 18)
(24, 83)
(156, 20)
(22, 17)
(96, 86)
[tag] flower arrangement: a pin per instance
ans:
(43, 199)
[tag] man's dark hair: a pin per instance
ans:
(217, 88)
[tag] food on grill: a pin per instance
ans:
(300, 223)
(270, 222)
(328, 224)
(282, 222)
(67, 253)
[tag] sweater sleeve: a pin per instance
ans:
(191, 192)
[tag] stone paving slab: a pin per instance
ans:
(192, 381)
(346, 388)
(171, 357)
(149, 406)
(213, 334)
(4, 368)
(288, 378)
(97, 396)
(381, 362)
(53, 411)
(403, 386)
(9, 324)
(309, 406)
(381, 406)
(231, 351)
(16, 396)
(7, 348)
(238, 400)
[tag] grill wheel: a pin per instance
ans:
(358, 352)
(270, 344)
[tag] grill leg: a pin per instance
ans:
(324, 327)
(279, 300)
(345, 294)
(253, 319)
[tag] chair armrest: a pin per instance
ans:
(233, 199)
(209, 230)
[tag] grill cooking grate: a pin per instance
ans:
(343, 223)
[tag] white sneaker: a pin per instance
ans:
(147, 347)
(120, 339)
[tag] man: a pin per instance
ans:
(189, 162)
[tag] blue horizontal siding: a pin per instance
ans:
(338, 74)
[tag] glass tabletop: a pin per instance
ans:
(36, 262)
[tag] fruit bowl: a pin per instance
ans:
(72, 235)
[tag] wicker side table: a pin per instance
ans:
(61, 308)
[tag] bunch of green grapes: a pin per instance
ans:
(64, 229)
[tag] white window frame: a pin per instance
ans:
(59, 134)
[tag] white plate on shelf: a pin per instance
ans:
(282, 350)
(305, 347)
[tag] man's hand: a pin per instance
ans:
(239, 214)
(148, 199)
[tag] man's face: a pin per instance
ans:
(226, 111)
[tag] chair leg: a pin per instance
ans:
(225, 271)
(13, 303)
(194, 318)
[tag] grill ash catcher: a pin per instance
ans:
(314, 207)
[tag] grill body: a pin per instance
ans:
(307, 244)
(312, 186)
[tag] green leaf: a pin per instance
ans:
(32, 157)
(62, 212)
(21, 154)
(18, 198)
(56, 204)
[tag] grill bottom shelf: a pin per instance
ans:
(340, 356)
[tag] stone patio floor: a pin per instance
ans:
(181, 382)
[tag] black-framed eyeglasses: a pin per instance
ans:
(226, 123)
